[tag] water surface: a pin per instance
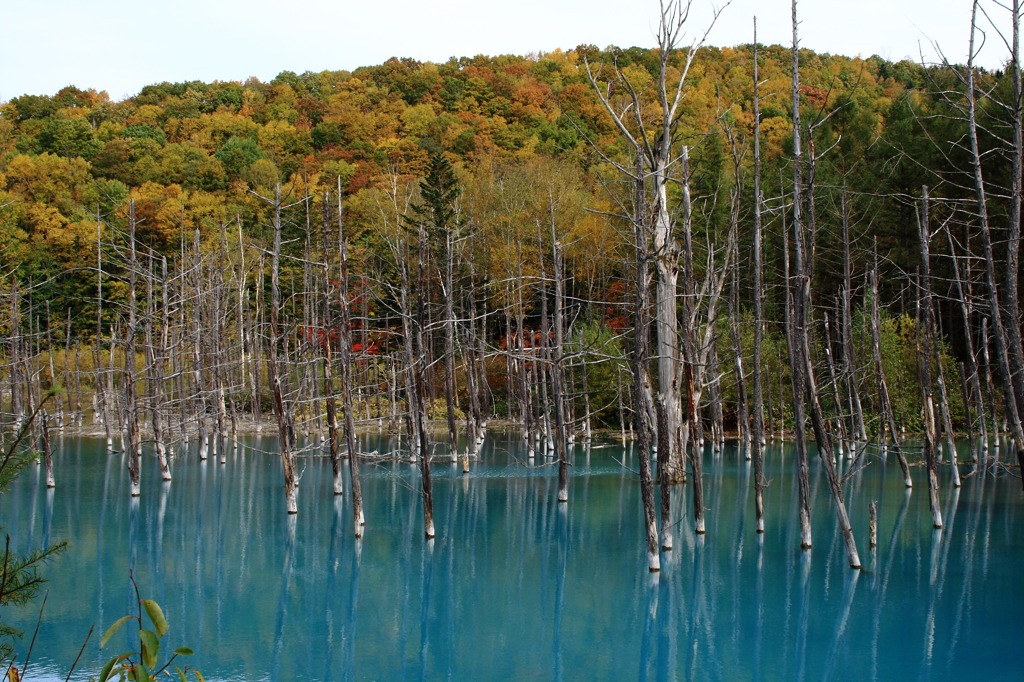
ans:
(516, 586)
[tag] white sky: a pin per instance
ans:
(121, 45)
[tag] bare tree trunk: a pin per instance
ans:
(990, 388)
(796, 319)
(474, 378)
(947, 419)
(198, 315)
(330, 393)
(926, 336)
(588, 431)
(525, 400)
(742, 404)
(47, 452)
(558, 374)
(834, 381)
(420, 368)
(695, 450)
(1009, 352)
(970, 367)
(449, 345)
(857, 427)
(277, 379)
(17, 406)
(412, 397)
(889, 419)
(155, 361)
(804, 272)
(345, 350)
(640, 359)
(543, 366)
(131, 401)
(758, 404)
(104, 395)
(715, 397)
(1015, 346)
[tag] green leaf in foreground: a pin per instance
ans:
(156, 615)
(113, 629)
(150, 647)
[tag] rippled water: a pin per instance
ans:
(516, 586)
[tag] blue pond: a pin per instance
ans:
(515, 586)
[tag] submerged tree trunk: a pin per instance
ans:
(970, 366)
(156, 361)
(888, 417)
(640, 359)
(758, 427)
(345, 351)
(927, 341)
(330, 390)
(558, 383)
(1007, 338)
(419, 367)
(44, 433)
(277, 375)
(134, 440)
(796, 317)
(104, 396)
(804, 267)
(449, 345)
(857, 427)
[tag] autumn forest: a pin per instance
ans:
(677, 244)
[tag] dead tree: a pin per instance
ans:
(104, 396)
(884, 402)
(14, 343)
(857, 427)
(927, 342)
(418, 365)
(345, 351)
(329, 390)
(558, 374)
(155, 359)
(199, 317)
(1006, 335)
(641, 330)
(796, 363)
(475, 378)
(800, 357)
(450, 388)
(973, 377)
(278, 377)
(758, 435)
(134, 439)
(663, 162)
(44, 433)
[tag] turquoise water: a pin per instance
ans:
(515, 586)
